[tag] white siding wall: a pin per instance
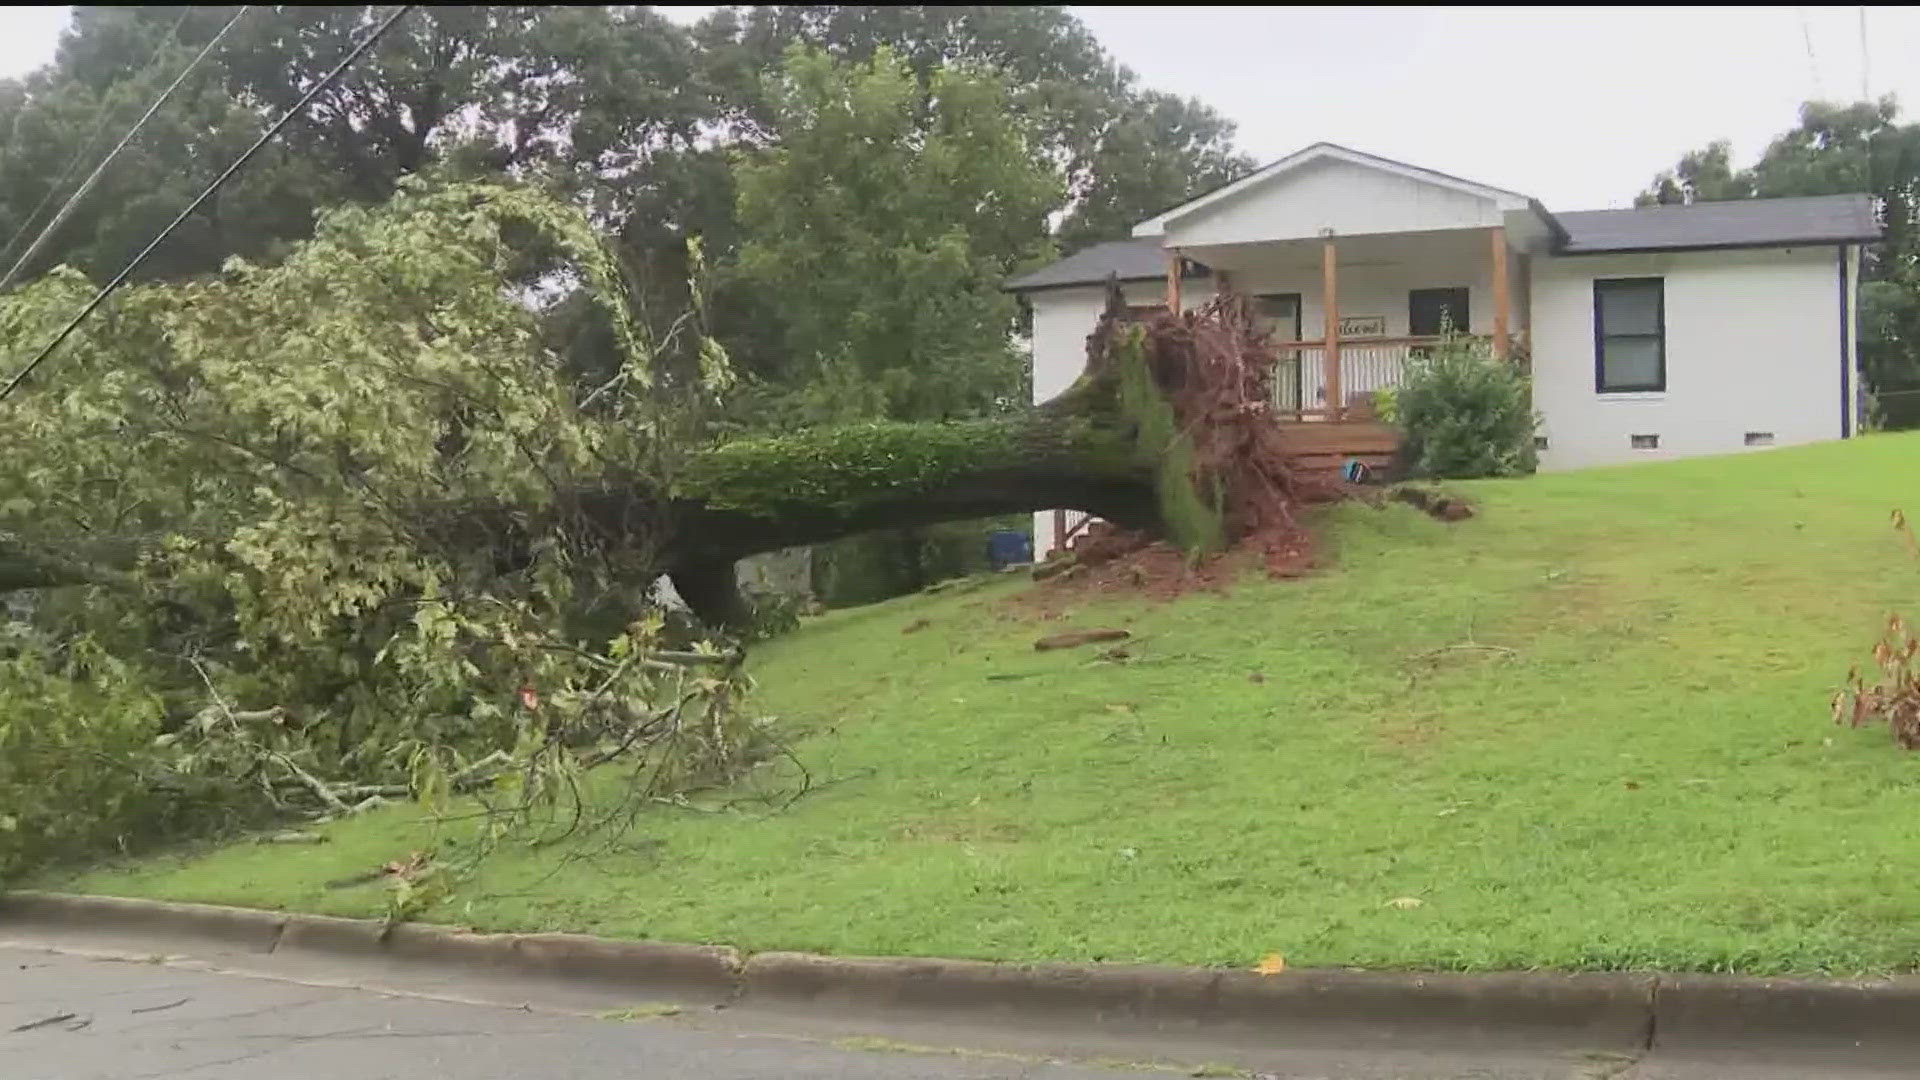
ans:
(1062, 319)
(1347, 198)
(1752, 345)
(1382, 290)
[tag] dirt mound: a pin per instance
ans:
(1110, 561)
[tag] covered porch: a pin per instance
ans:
(1348, 313)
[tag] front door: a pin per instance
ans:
(1430, 309)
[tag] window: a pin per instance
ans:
(1429, 309)
(1629, 335)
(1280, 312)
(1645, 442)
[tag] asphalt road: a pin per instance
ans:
(67, 1018)
(134, 1013)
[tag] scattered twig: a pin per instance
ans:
(1055, 567)
(1469, 645)
(163, 1008)
(674, 657)
(1465, 646)
(1076, 638)
(48, 1021)
(312, 783)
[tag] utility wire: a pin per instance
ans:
(1813, 65)
(86, 149)
(1866, 62)
(119, 279)
(94, 177)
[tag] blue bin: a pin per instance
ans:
(1008, 547)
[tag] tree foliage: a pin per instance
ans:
(1858, 147)
(1466, 415)
(881, 233)
(357, 491)
(355, 483)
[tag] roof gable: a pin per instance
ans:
(1321, 153)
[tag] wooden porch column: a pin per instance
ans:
(1330, 292)
(1502, 295)
(1223, 286)
(1173, 282)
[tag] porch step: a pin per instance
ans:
(1325, 447)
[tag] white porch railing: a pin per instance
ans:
(1366, 365)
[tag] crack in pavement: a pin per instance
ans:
(184, 1070)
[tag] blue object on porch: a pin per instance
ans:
(1008, 547)
(1356, 471)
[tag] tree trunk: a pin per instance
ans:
(1086, 450)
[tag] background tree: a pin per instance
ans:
(1705, 175)
(881, 230)
(1836, 149)
(1158, 152)
(581, 96)
(1126, 152)
(644, 124)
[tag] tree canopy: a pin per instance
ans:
(1859, 147)
(880, 228)
(358, 490)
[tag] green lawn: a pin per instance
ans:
(1649, 780)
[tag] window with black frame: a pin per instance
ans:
(1629, 335)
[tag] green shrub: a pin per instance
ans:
(79, 773)
(1465, 414)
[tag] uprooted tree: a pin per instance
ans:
(348, 527)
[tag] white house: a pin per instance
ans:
(1660, 332)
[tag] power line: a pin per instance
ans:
(126, 272)
(1813, 65)
(1866, 62)
(94, 177)
(86, 149)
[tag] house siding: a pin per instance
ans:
(1753, 344)
(1371, 286)
(1341, 196)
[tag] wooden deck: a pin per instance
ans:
(1327, 445)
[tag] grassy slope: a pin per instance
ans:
(1651, 781)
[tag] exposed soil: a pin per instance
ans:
(1214, 367)
(1110, 561)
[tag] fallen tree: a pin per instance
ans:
(355, 527)
(1164, 432)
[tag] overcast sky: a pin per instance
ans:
(1576, 106)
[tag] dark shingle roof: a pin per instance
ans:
(1827, 219)
(1815, 219)
(1131, 260)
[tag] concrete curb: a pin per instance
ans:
(246, 928)
(1355, 1010)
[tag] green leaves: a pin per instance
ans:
(341, 452)
(1465, 414)
(1856, 147)
(880, 228)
